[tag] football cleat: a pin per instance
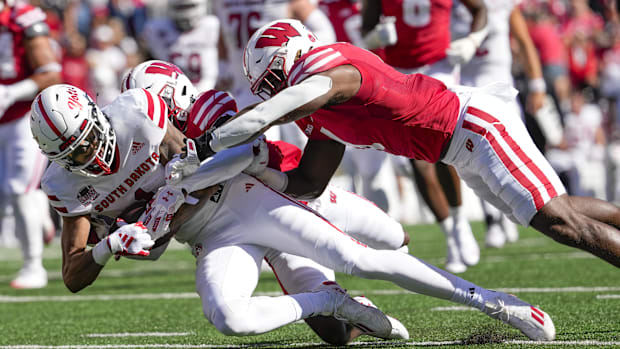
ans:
(533, 322)
(30, 278)
(495, 236)
(370, 320)
(399, 331)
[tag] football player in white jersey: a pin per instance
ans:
(493, 62)
(27, 65)
(103, 158)
(188, 38)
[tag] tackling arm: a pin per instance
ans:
(331, 87)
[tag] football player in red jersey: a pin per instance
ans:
(423, 27)
(341, 94)
(27, 65)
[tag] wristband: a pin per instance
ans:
(537, 85)
(101, 252)
(275, 179)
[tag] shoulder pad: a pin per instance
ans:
(37, 29)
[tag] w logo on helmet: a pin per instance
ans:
(163, 68)
(276, 35)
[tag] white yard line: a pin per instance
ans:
(587, 343)
(608, 296)
(186, 295)
(138, 334)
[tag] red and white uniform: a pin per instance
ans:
(417, 116)
(139, 119)
(423, 28)
(194, 51)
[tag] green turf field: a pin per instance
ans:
(153, 304)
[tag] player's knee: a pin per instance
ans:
(562, 223)
(231, 323)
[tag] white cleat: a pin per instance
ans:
(399, 331)
(466, 242)
(510, 229)
(533, 322)
(370, 320)
(495, 236)
(454, 264)
(30, 278)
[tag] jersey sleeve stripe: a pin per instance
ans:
(162, 112)
(48, 120)
(151, 104)
(312, 64)
(300, 65)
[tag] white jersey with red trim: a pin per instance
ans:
(240, 19)
(194, 51)
(493, 58)
(139, 119)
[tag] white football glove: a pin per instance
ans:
(382, 35)
(128, 240)
(261, 157)
(178, 167)
(463, 50)
(161, 209)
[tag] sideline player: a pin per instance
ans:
(341, 94)
(187, 37)
(104, 158)
(27, 65)
(423, 46)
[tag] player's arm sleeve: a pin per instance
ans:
(291, 104)
(218, 168)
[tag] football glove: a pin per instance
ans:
(261, 157)
(129, 239)
(463, 50)
(179, 167)
(161, 209)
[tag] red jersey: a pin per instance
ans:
(423, 29)
(14, 65)
(411, 115)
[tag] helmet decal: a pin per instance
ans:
(277, 35)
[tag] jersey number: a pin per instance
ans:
(243, 28)
(191, 65)
(417, 13)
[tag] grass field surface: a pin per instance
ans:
(153, 304)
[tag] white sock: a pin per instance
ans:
(446, 225)
(469, 294)
(310, 304)
(456, 212)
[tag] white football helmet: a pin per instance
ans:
(168, 81)
(66, 123)
(187, 13)
(271, 52)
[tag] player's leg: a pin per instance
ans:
(427, 182)
(360, 218)
(284, 224)
(22, 168)
(451, 184)
(505, 168)
(376, 176)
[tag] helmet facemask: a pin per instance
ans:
(273, 79)
(97, 134)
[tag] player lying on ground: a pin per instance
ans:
(341, 94)
(103, 159)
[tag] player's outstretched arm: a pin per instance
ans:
(316, 167)
(78, 266)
